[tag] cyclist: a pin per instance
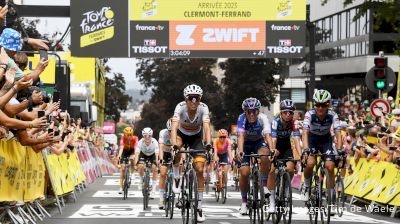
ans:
(254, 132)
(190, 127)
(128, 146)
(222, 150)
(148, 149)
(165, 155)
(282, 128)
(317, 137)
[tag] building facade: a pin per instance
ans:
(345, 48)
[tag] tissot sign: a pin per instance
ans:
(188, 28)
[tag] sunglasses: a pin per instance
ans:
(254, 111)
(222, 137)
(287, 112)
(194, 98)
(323, 105)
(146, 136)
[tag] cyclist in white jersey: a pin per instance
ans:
(165, 156)
(148, 151)
(190, 127)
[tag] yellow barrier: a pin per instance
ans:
(374, 181)
(35, 174)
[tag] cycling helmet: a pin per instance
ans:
(222, 133)
(287, 105)
(322, 96)
(251, 104)
(169, 124)
(147, 131)
(128, 131)
(193, 90)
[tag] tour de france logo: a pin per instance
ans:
(284, 8)
(97, 26)
(149, 8)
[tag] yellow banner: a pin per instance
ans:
(35, 174)
(48, 76)
(225, 10)
(98, 36)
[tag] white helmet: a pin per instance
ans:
(147, 131)
(322, 96)
(169, 124)
(193, 90)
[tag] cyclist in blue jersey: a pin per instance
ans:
(317, 137)
(282, 128)
(254, 132)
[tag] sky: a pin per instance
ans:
(126, 66)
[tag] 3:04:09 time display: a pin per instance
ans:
(175, 53)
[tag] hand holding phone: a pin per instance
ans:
(43, 54)
(41, 113)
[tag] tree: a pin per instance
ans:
(116, 98)
(248, 78)
(167, 78)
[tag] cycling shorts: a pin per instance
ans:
(126, 155)
(324, 145)
(223, 158)
(252, 147)
(194, 142)
(143, 158)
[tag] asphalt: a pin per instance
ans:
(101, 203)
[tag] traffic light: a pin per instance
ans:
(380, 72)
(380, 78)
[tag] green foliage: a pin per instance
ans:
(248, 78)
(116, 98)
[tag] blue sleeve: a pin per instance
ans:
(274, 127)
(241, 123)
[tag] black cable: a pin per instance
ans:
(62, 37)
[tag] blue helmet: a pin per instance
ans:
(251, 104)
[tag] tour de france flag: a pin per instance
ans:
(99, 27)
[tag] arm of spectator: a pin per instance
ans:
(18, 124)
(12, 109)
(3, 13)
(37, 43)
(40, 67)
(27, 140)
(51, 107)
(3, 60)
(39, 147)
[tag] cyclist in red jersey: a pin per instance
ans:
(128, 146)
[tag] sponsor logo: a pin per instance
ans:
(221, 36)
(285, 47)
(285, 28)
(149, 28)
(97, 26)
(284, 8)
(150, 43)
(149, 8)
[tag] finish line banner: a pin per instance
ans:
(188, 28)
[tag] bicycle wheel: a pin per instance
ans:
(167, 198)
(184, 201)
(258, 197)
(216, 192)
(171, 200)
(224, 187)
(313, 202)
(146, 190)
(125, 188)
(285, 199)
(251, 205)
(325, 204)
(207, 180)
(193, 195)
(340, 196)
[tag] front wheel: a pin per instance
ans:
(340, 196)
(224, 188)
(325, 204)
(284, 208)
(193, 195)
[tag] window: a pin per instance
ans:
(285, 94)
(298, 95)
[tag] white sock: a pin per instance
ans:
(161, 194)
(272, 198)
(176, 171)
(200, 204)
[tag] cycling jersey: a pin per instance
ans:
(222, 148)
(150, 149)
(128, 142)
(254, 131)
(164, 139)
(187, 126)
(317, 127)
(279, 131)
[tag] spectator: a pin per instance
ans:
(394, 122)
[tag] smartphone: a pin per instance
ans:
(380, 135)
(56, 96)
(56, 133)
(43, 54)
(50, 130)
(392, 148)
(41, 113)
